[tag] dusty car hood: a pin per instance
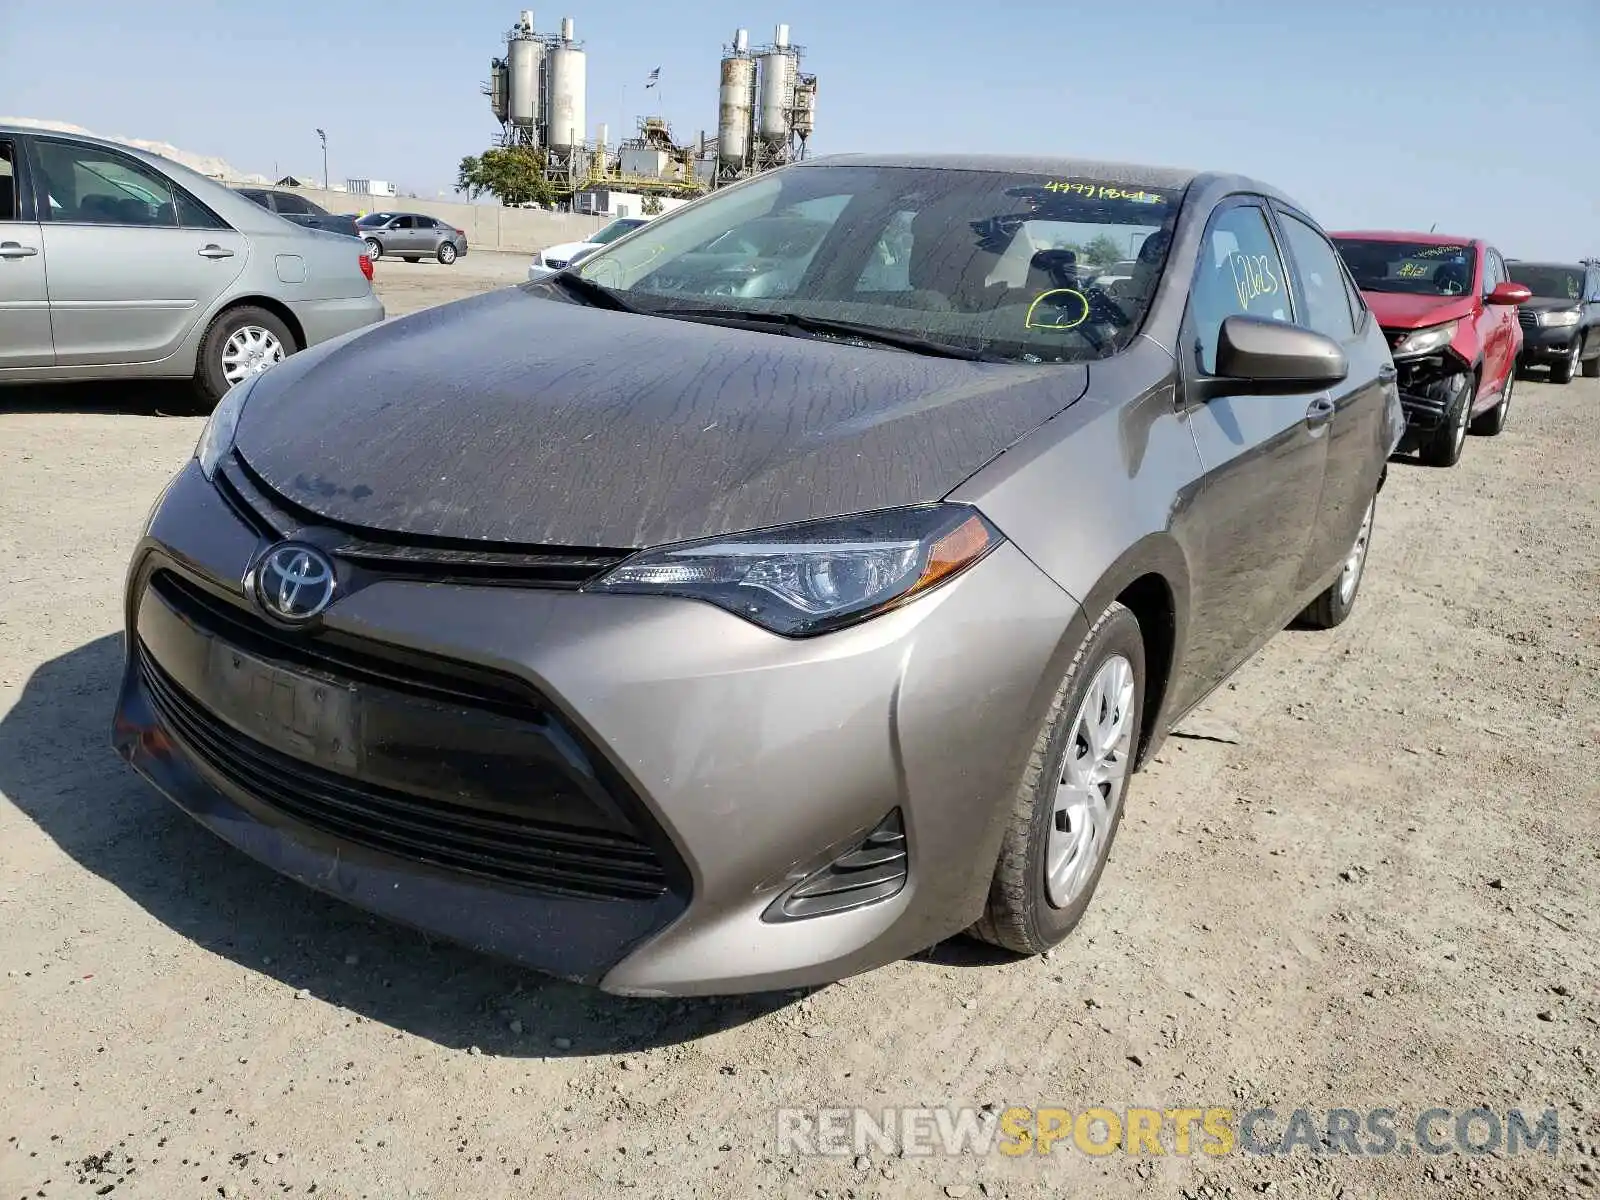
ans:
(1552, 304)
(513, 418)
(1397, 310)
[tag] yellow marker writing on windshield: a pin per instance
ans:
(1060, 312)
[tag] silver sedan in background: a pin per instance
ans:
(411, 236)
(119, 264)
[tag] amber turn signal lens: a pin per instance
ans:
(956, 550)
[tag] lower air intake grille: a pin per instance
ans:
(489, 844)
(873, 869)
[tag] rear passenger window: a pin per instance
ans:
(86, 185)
(1317, 264)
(1240, 273)
(8, 185)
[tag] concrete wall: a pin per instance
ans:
(488, 226)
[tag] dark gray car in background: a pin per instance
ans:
(296, 208)
(708, 620)
(1561, 324)
(411, 236)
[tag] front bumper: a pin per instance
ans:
(752, 760)
(323, 320)
(1541, 344)
(1428, 386)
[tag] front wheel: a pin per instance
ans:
(1591, 366)
(447, 253)
(374, 249)
(1443, 448)
(1333, 606)
(1066, 812)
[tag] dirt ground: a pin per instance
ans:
(1381, 894)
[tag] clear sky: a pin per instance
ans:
(1480, 115)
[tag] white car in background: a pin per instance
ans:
(554, 258)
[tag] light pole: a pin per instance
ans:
(321, 133)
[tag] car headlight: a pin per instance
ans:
(538, 259)
(819, 576)
(1425, 341)
(1565, 316)
(216, 439)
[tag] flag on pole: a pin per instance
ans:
(655, 78)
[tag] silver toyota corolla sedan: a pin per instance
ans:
(119, 264)
(790, 585)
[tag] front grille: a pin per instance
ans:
(338, 655)
(555, 264)
(490, 844)
(375, 554)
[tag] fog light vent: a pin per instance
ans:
(873, 869)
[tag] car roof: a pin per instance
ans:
(1400, 235)
(1561, 266)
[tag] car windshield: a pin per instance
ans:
(1549, 282)
(372, 219)
(1026, 267)
(615, 230)
(1415, 268)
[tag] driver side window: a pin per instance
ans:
(1240, 273)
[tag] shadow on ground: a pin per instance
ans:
(57, 767)
(152, 397)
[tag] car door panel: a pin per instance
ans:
(1329, 303)
(120, 294)
(127, 282)
(1263, 459)
(25, 339)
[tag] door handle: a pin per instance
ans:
(1320, 412)
(215, 251)
(16, 250)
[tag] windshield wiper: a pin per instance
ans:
(794, 323)
(576, 285)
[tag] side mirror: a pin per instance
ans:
(1264, 356)
(1508, 293)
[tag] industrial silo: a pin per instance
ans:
(566, 86)
(777, 90)
(498, 97)
(736, 110)
(523, 57)
(805, 107)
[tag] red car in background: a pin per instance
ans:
(1448, 309)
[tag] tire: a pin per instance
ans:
(1333, 607)
(412, 258)
(1591, 366)
(1493, 421)
(1443, 447)
(1024, 912)
(447, 252)
(374, 249)
(1563, 371)
(242, 341)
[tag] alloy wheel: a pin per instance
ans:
(249, 350)
(1464, 418)
(1093, 778)
(1356, 562)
